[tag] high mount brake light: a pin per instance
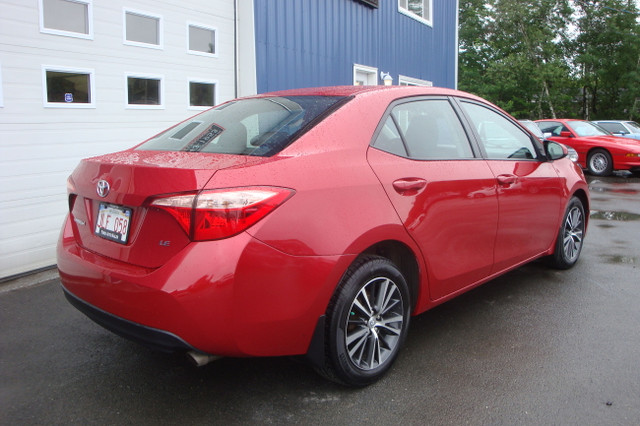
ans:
(217, 214)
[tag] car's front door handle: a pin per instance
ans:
(409, 186)
(507, 179)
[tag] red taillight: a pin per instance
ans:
(213, 215)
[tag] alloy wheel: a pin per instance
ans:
(374, 323)
(573, 233)
(599, 163)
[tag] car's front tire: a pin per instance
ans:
(367, 322)
(570, 236)
(600, 163)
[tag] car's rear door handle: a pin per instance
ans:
(507, 179)
(409, 186)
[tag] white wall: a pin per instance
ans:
(40, 146)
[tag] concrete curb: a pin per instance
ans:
(39, 277)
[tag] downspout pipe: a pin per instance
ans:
(235, 48)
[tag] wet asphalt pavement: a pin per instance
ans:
(536, 346)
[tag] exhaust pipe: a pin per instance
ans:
(199, 359)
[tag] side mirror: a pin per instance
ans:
(566, 134)
(555, 150)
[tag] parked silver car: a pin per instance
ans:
(627, 129)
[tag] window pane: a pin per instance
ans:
(552, 127)
(143, 91)
(201, 94)
(500, 137)
(426, 12)
(613, 127)
(417, 7)
(365, 78)
(143, 29)
(66, 15)
(584, 128)
(67, 87)
(389, 139)
(432, 130)
(202, 39)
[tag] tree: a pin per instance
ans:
(526, 42)
(608, 58)
(475, 53)
(547, 58)
(531, 35)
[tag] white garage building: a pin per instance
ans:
(84, 77)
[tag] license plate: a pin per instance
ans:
(113, 223)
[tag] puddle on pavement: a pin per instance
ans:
(626, 191)
(600, 200)
(614, 185)
(626, 260)
(616, 216)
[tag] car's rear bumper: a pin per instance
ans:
(157, 339)
(233, 297)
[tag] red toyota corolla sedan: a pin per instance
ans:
(314, 222)
(598, 150)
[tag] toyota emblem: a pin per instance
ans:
(102, 188)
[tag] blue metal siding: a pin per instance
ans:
(304, 43)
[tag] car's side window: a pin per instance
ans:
(613, 127)
(500, 138)
(430, 130)
(389, 139)
(552, 128)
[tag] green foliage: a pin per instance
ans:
(552, 58)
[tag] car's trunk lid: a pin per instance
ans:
(118, 221)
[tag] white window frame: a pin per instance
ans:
(418, 18)
(54, 31)
(92, 87)
(128, 75)
(145, 14)
(365, 69)
(201, 81)
(411, 81)
(215, 40)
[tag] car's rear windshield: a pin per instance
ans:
(257, 126)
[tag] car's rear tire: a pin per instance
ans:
(570, 236)
(599, 162)
(367, 322)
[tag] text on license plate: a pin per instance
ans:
(113, 222)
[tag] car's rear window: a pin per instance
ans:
(257, 126)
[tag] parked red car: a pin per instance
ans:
(598, 150)
(314, 222)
